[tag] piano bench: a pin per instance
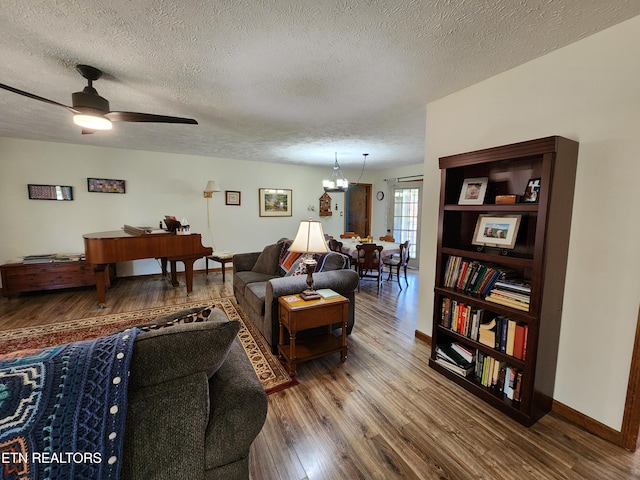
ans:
(222, 258)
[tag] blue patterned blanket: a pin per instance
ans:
(63, 410)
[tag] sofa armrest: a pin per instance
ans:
(238, 410)
(243, 262)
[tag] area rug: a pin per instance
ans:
(268, 368)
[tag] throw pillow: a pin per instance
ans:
(332, 261)
(268, 260)
(169, 353)
(192, 315)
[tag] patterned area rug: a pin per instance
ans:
(268, 368)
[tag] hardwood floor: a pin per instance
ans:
(383, 414)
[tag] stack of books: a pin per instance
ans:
(44, 258)
(471, 276)
(511, 294)
(456, 357)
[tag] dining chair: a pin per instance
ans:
(369, 262)
(348, 235)
(388, 238)
(398, 262)
(335, 245)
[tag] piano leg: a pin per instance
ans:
(188, 273)
(101, 287)
(174, 274)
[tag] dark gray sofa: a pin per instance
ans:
(258, 282)
(195, 403)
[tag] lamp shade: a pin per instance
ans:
(310, 238)
(212, 186)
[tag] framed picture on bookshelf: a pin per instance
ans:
(473, 191)
(532, 191)
(496, 230)
(231, 197)
(275, 202)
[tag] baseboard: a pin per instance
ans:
(589, 424)
(423, 336)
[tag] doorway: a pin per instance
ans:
(404, 216)
(358, 219)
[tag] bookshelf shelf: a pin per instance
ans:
(531, 274)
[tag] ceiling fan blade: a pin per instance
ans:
(36, 97)
(147, 117)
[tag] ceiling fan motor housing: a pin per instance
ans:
(89, 99)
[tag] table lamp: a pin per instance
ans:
(309, 240)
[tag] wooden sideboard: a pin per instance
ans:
(20, 277)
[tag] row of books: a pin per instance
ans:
(472, 276)
(511, 294)
(52, 257)
(499, 375)
(499, 332)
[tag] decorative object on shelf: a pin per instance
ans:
(232, 197)
(473, 191)
(105, 185)
(496, 230)
(507, 199)
(532, 191)
(309, 240)
(275, 202)
(325, 205)
(50, 192)
(210, 189)
(380, 195)
(337, 181)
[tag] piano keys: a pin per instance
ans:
(103, 248)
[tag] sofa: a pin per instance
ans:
(195, 404)
(260, 278)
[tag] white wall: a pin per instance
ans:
(589, 92)
(156, 185)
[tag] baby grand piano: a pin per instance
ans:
(103, 248)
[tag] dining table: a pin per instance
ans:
(349, 247)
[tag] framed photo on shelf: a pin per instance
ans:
(105, 185)
(473, 191)
(275, 202)
(50, 192)
(496, 230)
(532, 191)
(231, 197)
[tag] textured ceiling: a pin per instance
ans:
(289, 81)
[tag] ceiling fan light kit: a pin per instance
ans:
(91, 111)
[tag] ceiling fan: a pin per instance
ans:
(91, 111)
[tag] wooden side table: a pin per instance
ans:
(297, 314)
(221, 258)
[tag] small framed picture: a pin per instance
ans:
(105, 185)
(50, 192)
(275, 202)
(231, 197)
(532, 191)
(473, 191)
(496, 230)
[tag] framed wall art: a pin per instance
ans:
(473, 191)
(231, 197)
(496, 230)
(105, 185)
(50, 192)
(275, 202)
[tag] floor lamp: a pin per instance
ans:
(211, 187)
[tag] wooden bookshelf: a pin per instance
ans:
(538, 258)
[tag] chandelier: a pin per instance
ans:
(337, 182)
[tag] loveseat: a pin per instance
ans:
(195, 404)
(260, 278)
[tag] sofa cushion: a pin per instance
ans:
(268, 260)
(170, 353)
(254, 294)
